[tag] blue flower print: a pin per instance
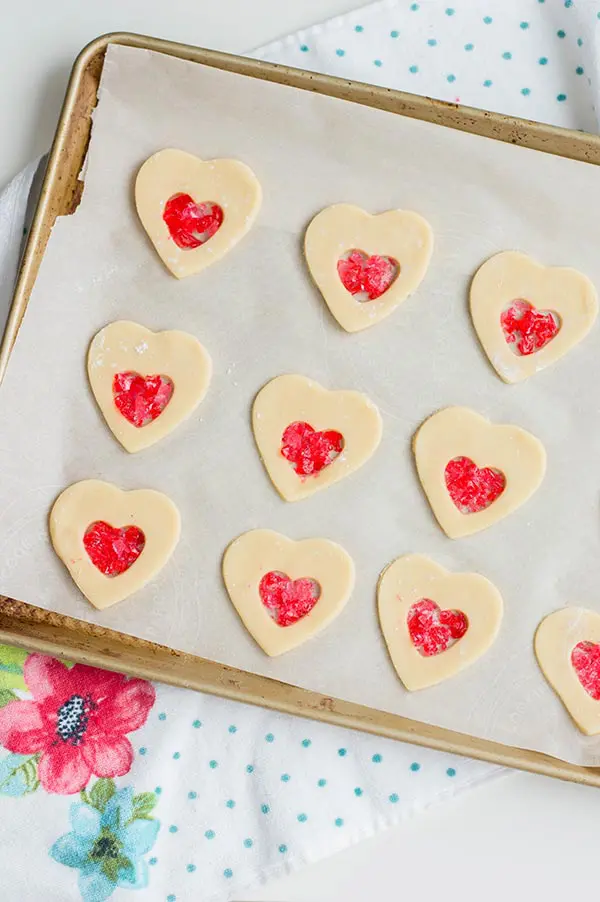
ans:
(111, 832)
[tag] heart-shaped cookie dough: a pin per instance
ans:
(527, 315)
(309, 437)
(567, 647)
(194, 210)
(286, 591)
(435, 623)
(112, 542)
(146, 383)
(365, 265)
(475, 472)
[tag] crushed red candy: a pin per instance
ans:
(526, 329)
(287, 600)
(585, 659)
(190, 224)
(472, 488)
(141, 399)
(432, 630)
(310, 451)
(366, 278)
(113, 550)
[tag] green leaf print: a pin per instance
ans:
(18, 775)
(143, 805)
(6, 696)
(100, 793)
(11, 667)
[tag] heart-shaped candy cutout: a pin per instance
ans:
(288, 600)
(527, 315)
(195, 211)
(141, 399)
(113, 550)
(364, 265)
(142, 409)
(435, 623)
(309, 451)
(472, 488)
(567, 647)
(464, 497)
(366, 278)
(526, 329)
(190, 224)
(265, 574)
(309, 437)
(433, 631)
(109, 562)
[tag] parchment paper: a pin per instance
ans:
(259, 315)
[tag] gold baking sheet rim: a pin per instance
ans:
(45, 631)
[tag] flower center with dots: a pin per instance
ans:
(73, 718)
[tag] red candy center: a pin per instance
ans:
(366, 278)
(191, 224)
(585, 659)
(526, 329)
(433, 631)
(113, 550)
(141, 399)
(473, 489)
(286, 600)
(309, 451)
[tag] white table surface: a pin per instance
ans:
(520, 836)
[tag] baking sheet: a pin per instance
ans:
(259, 315)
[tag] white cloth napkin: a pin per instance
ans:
(240, 794)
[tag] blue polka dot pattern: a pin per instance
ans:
(339, 822)
(171, 898)
(342, 752)
(487, 83)
(394, 33)
(561, 34)
(568, 4)
(192, 795)
(177, 756)
(232, 729)
(469, 47)
(358, 28)
(158, 790)
(543, 61)
(283, 848)
(377, 759)
(507, 55)
(173, 828)
(306, 743)
(432, 42)
(213, 764)
(488, 20)
(358, 792)
(143, 751)
(525, 92)
(304, 48)
(414, 7)
(152, 861)
(450, 11)
(197, 724)
(415, 766)
(561, 97)
(265, 809)
(269, 737)
(230, 803)
(579, 70)
(450, 78)
(249, 769)
(340, 52)
(248, 843)
(228, 873)
(285, 778)
(413, 69)
(210, 834)
(524, 26)
(190, 868)
(451, 772)
(394, 797)
(162, 716)
(580, 42)
(302, 818)
(377, 63)
(321, 782)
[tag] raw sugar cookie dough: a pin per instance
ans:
(146, 383)
(567, 647)
(435, 623)
(365, 265)
(284, 591)
(112, 542)
(309, 437)
(474, 472)
(527, 316)
(195, 211)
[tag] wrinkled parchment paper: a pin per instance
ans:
(259, 315)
